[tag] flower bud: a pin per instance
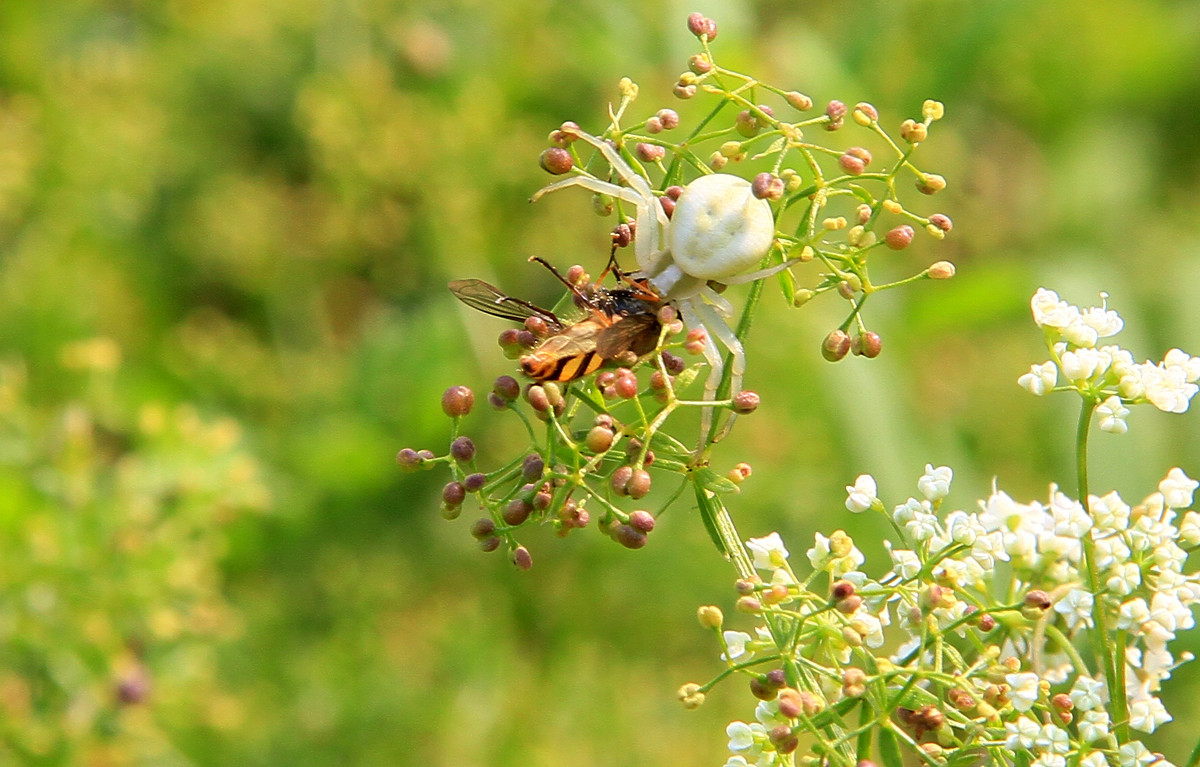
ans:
(867, 344)
(710, 616)
(865, 114)
(930, 183)
(649, 152)
(740, 473)
(767, 186)
(941, 221)
(691, 696)
(463, 449)
(684, 92)
(933, 110)
(521, 558)
(474, 482)
(556, 161)
(620, 479)
(942, 270)
(702, 27)
(599, 439)
(835, 346)
(517, 511)
(798, 101)
(457, 401)
(535, 394)
(408, 459)
(745, 402)
(913, 132)
(566, 134)
(855, 160)
(453, 494)
(629, 537)
(507, 388)
(760, 689)
(638, 484)
(669, 117)
(482, 528)
(532, 467)
(899, 237)
(784, 740)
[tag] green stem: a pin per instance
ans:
(1108, 648)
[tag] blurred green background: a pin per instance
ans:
(225, 232)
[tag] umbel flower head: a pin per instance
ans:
(929, 644)
(1106, 376)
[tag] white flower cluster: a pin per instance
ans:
(1105, 374)
(943, 580)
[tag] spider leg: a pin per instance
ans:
(761, 273)
(715, 326)
(637, 182)
(719, 302)
(592, 185)
(688, 308)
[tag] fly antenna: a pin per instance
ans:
(575, 291)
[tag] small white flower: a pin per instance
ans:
(963, 528)
(769, 551)
(1167, 388)
(1020, 735)
(1109, 512)
(1177, 358)
(819, 552)
(1076, 608)
(922, 527)
(1023, 690)
(1135, 754)
(934, 484)
(1148, 715)
(1088, 693)
(1081, 364)
(1053, 739)
(1093, 726)
(737, 760)
(1125, 577)
(1070, 519)
(908, 511)
(1049, 311)
(1094, 759)
(1133, 614)
(1189, 528)
(745, 737)
(1040, 379)
(862, 494)
(905, 563)
(1112, 415)
(1103, 320)
(1177, 489)
(736, 642)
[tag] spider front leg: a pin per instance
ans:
(712, 355)
(592, 185)
(715, 325)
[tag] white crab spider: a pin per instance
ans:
(717, 231)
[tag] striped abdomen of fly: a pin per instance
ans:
(619, 322)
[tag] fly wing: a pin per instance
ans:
(637, 333)
(489, 299)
